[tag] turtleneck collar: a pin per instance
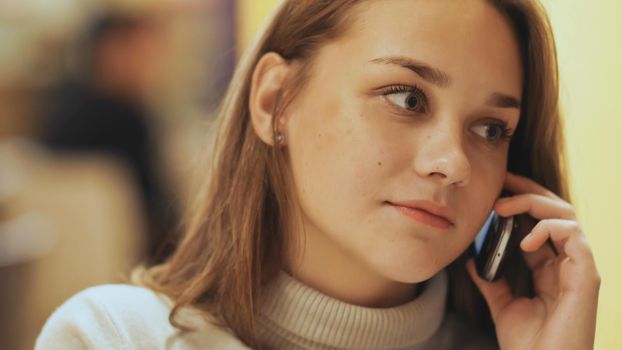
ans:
(295, 315)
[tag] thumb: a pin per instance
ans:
(497, 294)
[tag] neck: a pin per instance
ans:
(295, 316)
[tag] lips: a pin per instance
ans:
(426, 212)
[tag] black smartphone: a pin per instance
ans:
(497, 243)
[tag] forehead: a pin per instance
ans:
(468, 39)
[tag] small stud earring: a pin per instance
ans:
(280, 138)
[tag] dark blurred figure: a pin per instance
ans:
(101, 110)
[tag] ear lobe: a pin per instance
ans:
(267, 81)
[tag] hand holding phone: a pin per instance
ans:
(497, 243)
(565, 320)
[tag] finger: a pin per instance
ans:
(540, 256)
(497, 294)
(575, 265)
(520, 184)
(565, 234)
(544, 273)
(538, 206)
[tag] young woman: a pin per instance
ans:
(362, 145)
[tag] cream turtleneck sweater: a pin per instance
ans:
(293, 316)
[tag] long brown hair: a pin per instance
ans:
(236, 238)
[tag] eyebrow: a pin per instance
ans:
(439, 78)
(500, 100)
(429, 74)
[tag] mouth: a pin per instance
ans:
(426, 213)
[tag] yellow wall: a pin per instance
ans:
(589, 40)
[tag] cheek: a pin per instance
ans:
(341, 163)
(327, 157)
(477, 199)
(489, 171)
(335, 159)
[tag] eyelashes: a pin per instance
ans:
(493, 131)
(412, 100)
(409, 98)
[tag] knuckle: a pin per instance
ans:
(597, 279)
(584, 248)
(569, 209)
(593, 278)
(573, 226)
(546, 223)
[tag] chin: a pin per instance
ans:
(415, 271)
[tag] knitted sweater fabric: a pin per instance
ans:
(293, 316)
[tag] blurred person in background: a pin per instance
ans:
(100, 108)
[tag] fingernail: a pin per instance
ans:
(503, 200)
(526, 238)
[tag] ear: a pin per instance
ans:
(268, 78)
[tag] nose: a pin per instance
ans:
(441, 156)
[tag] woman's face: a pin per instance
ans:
(413, 103)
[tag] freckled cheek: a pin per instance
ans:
(489, 168)
(319, 160)
(373, 153)
(476, 200)
(344, 167)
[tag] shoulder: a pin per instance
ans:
(108, 316)
(128, 317)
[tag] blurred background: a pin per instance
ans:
(82, 200)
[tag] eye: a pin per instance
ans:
(409, 98)
(493, 132)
